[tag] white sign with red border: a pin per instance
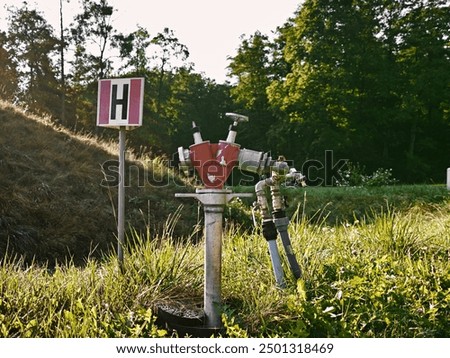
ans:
(120, 102)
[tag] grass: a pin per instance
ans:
(53, 205)
(350, 203)
(388, 277)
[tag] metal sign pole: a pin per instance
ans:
(120, 104)
(121, 197)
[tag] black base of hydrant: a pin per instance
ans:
(184, 323)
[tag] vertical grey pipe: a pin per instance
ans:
(269, 231)
(214, 201)
(276, 263)
(213, 265)
(281, 224)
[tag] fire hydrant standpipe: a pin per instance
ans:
(213, 163)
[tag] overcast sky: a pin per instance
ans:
(209, 28)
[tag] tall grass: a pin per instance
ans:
(387, 277)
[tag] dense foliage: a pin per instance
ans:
(366, 79)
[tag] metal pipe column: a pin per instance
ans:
(214, 201)
(269, 231)
(213, 265)
(281, 223)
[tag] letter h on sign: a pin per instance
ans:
(120, 102)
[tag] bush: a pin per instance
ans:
(354, 175)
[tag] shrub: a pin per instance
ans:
(354, 175)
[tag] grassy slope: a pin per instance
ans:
(51, 202)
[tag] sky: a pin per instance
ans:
(211, 29)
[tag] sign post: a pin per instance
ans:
(121, 197)
(120, 106)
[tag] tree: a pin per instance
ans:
(188, 97)
(133, 51)
(92, 38)
(93, 29)
(33, 42)
(168, 49)
(364, 78)
(159, 59)
(194, 98)
(62, 47)
(8, 71)
(423, 54)
(252, 68)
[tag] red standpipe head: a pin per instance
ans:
(214, 162)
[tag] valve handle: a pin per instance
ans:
(236, 118)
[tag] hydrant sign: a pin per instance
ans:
(120, 102)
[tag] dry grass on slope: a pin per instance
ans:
(52, 203)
